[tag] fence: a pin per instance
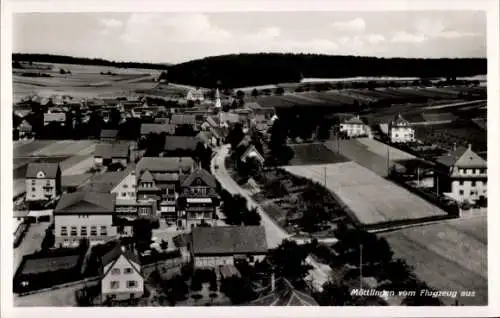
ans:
(83, 281)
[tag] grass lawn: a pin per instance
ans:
(451, 255)
(314, 153)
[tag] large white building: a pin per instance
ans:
(400, 130)
(43, 181)
(462, 175)
(84, 215)
(353, 127)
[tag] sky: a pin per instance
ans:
(180, 37)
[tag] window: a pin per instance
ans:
(124, 194)
(125, 186)
(115, 271)
(462, 171)
(128, 270)
(131, 283)
(473, 183)
(133, 186)
(461, 182)
(33, 189)
(73, 231)
(83, 231)
(93, 230)
(33, 182)
(115, 284)
(461, 192)
(64, 231)
(104, 230)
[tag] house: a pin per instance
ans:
(158, 180)
(283, 293)
(400, 130)
(122, 277)
(108, 135)
(207, 138)
(195, 95)
(252, 152)
(198, 199)
(25, 129)
(224, 245)
(180, 145)
(461, 174)
(43, 181)
(353, 127)
(106, 154)
(84, 214)
(158, 128)
(59, 118)
(120, 183)
(183, 119)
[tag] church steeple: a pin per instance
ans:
(218, 104)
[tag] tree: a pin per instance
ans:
(279, 91)
(115, 118)
(49, 240)
(288, 260)
(255, 92)
(334, 295)
(252, 217)
(142, 233)
(185, 130)
(240, 95)
(164, 244)
(235, 135)
(62, 71)
(238, 289)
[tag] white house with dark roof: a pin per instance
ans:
(400, 130)
(462, 175)
(122, 277)
(84, 214)
(43, 181)
(212, 247)
(353, 127)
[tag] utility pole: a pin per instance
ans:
(437, 184)
(325, 175)
(418, 176)
(388, 161)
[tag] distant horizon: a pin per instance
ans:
(239, 53)
(177, 37)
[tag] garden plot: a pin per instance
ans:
(451, 255)
(371, 198)
(382, 149)
(64, 147)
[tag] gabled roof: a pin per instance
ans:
(120, 150)
(285, 295)
(147, 128)
(54, 117)
(173, 143)
(229, 240)
(114, 254)
(183, 119)
(203, 174)
(463, 158)
(84, 202)
(399, 121)
(164, 164)
(146, 177)
(107, 181)
(109, 133)
(49, 169)
(355, 120)
(251, 149)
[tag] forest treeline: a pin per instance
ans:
(240, 70)
(63, 59)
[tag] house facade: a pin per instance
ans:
(226, 245)
(25, 129)
(353, 127)
(400, 130)
(198, 199)
(84, 215)
(252, 152)
(122, 278)
(43, 181)
(461, 175)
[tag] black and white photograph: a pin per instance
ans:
(249, 158)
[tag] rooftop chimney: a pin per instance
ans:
(454, 146)
(470, 146)
(123, 249)
(273, 283)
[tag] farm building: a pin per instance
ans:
(400, 130)
(84, 215)
(195, 95)
(107, 154)
(59, 118)
(461, 175)
(122, 278)
(180, 145)
(225, 245)
(183, 119)
(353, 127)
(43, 181)
(108, 135)
(45, 269)
(157, 128)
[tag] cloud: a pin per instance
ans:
(375, 38)
(355, 25)
(265, 34)
(111, 23)
(405, 37)
(181, 27)
(438, 29)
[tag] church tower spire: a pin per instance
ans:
(218, 104)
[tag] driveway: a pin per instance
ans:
(275, 234)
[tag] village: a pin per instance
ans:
(187, 196)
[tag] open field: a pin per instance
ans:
(451, 255)
(371, 198)
(315, 153)
(83, 82)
